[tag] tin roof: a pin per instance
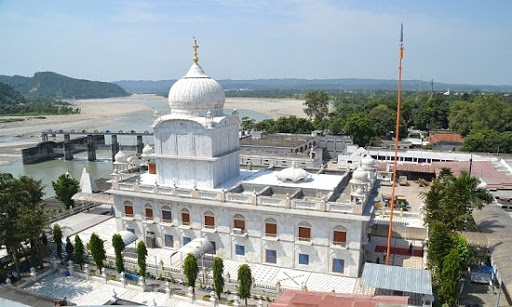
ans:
(397, 278)
(496, 224)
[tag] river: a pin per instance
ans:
(139, 121)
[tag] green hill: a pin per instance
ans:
(55, 86)
(13, 102)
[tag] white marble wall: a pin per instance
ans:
(320, 251)
(189, 154)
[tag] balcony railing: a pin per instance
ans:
(185, 223)
(167, 221)
(209, 226)
(128, 215)
(304, 239)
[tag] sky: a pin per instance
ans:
(458, 41)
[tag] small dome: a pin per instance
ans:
(132, 160)
(368, 163)
(120, 157)
(293, 174)
(147, 150)
(195, 94)
(359, 176)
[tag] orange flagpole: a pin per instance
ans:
(397, 133)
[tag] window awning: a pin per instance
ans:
(127, 236)
(197, 247)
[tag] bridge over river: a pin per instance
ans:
(83, 140)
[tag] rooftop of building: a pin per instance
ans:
(291, 298)
(277, 140)
(445, 138)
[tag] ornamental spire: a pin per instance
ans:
(195, 46)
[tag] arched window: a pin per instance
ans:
(209, 219)
(339, 236)
(270, 228)
(304, 231)
(148, 211)
(128, 209)
(239, 222)
(166, 215)
(185, 217)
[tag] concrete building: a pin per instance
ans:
(195, 192)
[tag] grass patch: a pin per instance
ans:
(11, 120)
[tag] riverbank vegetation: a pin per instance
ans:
(483, 119)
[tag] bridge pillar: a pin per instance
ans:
(140, 144)
(115, 146)
(91, 148)
(68, 152)
(44, 137)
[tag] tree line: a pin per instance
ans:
(484, 120)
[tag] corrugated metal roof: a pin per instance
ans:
(496, 224)
(397, 278)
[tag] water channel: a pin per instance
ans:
(140, 121)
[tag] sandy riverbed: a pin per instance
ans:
(97, 114)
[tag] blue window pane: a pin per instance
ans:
(271, 256)
(169, 241)
(303, 259)
(186, 240)
(213, 249)
(240, 250)
(131, 230)
(337, 265)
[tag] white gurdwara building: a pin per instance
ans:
(194, 192)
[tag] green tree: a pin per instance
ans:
(317, 107)
(57, 238)
(439, 244)
(191, 270)
(450, 276)
(97, 250)
(79, 252)
(383, 120)
(218, 279)
(65, 187)
(118, 244)
(336, 126)
(244, 282)
(358, 126)
(451, 200)
(247, 123)
(142, 253)
(69, 249)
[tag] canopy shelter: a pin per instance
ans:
(127, 236)
(197, 247)
(397, 278)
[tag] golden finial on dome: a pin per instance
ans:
(195, 46)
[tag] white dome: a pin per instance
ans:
(293, 174)
(360, 176)
(368, 163)
(120, 157)
(147, 150)
(195, 94)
